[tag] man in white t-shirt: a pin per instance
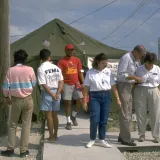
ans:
(51, 81)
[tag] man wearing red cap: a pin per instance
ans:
(73, 83)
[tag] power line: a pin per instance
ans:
(93, 12)
(18, 35)
(137, 27)
(78, 18)
(128, 18)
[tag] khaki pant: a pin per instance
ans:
(125, 94)
(147, 98)
(24, 105)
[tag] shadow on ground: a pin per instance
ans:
(72, 140)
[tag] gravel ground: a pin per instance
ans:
(142, 156)
(35, 147)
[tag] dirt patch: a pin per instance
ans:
(35, 146)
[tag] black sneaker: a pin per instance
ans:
(24, 154)
(128, 143)
(68, 126)
(120, 139)
(74, 121)
(7, 153)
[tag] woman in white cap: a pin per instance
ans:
(147, 96)
(98, 83)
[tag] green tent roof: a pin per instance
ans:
(59, 34)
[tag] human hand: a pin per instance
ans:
(82, 86)
(85, 106)
(119, 103)
(56, 97)
(139, 80)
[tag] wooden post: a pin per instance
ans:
(4, 57)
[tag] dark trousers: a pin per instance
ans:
(99, 110)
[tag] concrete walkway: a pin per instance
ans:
(71, 144)
(113, 136)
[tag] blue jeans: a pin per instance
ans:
(99, 111)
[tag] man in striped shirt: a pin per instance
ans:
(18, 86)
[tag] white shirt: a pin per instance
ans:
(99, 80)
(127, 67)
(149, 78)
(49, 74)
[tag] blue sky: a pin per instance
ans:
(28, 15)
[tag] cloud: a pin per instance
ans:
(15, 30)
(29, 15)
(153, 44)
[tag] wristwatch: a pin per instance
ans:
(126, 75)
(82, 71)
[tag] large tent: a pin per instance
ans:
(58, 34)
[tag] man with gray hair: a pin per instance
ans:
(125, 81)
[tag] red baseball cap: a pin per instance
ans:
(69, 47)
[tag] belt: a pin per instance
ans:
(126, 83)
(13, 97)
(99, 91)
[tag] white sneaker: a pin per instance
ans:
(90, 144)
(103, 143)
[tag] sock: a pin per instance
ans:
(68, 119)
(74, 114)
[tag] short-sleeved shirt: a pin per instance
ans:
(99, 80)
(49, 74)
(127, 66)
(149, 78)
(70, 69)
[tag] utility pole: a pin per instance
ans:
(159, 50)
(4, 57)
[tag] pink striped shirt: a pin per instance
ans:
(19, 81)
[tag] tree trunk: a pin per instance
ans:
(4, 58)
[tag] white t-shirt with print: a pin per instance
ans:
(99, 80)
(49, 74)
